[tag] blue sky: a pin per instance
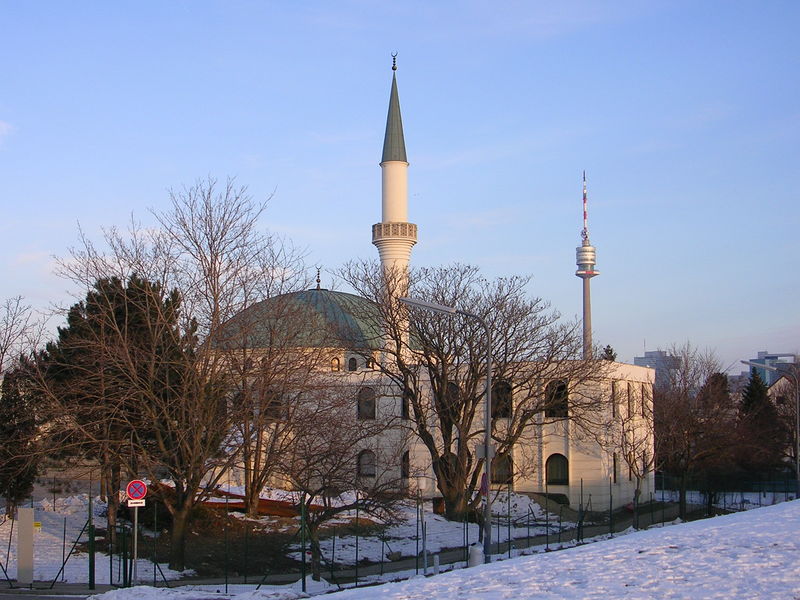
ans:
(685, 116)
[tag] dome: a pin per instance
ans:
(316, 318)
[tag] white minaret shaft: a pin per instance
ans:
(394, 236)
(586, 258)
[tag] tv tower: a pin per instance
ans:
(586, 257)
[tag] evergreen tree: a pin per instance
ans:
(761, 432)
(18, 433)
(121, 337)
(609, 353)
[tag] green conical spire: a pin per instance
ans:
(394, 146)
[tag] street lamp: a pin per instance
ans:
(487, 440)
(796, 416)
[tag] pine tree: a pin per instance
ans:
(609, 353)
(761, 432)
(18, 432)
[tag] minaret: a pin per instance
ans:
(394, 235)
(586, 256)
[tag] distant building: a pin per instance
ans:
(773, 359)
(659, 360)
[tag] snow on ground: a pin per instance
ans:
(61, 526)
(436, 533)
(730, 500)
(751, 554)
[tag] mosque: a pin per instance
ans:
(584, 471)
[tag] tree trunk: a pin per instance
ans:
(454, 493)
(316, 552)
(177, 550)
(251, 498)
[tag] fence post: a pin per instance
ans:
(303, 539)
(416, 554)
(610, 508)
(357, 531)
(91, 540)
(509, 519)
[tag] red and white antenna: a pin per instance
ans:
(585, 232)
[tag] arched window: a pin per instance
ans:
(366, 403)
(352, 364)
(501, 400)
(557, 470)
(503, 469)
(557, 400)
(335, 364)
(405, 465)
(366, 463)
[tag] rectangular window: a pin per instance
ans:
(630, 473)
(630, 399)
(614, 466)
(614, 398)
(645, 399)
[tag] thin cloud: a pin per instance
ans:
(5, 130)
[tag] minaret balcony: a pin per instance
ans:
(384, 231)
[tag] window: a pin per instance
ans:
(335, 364)
(614, 467)
(366, 463)
(501, 400)
(645, 399)
(614, 398)
(366, 403)
(557, 470)
(630, 399)
(645, 463)
(405, 405)
(352, 364)
(405, 466)
(452, 394)
(556, 399)
(502, 469)
(371, 364)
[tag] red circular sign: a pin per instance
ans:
(136, 489)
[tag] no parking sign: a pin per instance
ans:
(136, 491)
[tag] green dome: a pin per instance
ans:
(309, 319)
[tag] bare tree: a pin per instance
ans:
(16, 325)
(694, 418)
(631, 433)
(206, 263)
(436, 365)
(18, 410)
(784, 394)
(338, 463)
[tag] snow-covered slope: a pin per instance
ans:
(754, 554)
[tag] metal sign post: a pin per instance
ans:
(136, 491)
